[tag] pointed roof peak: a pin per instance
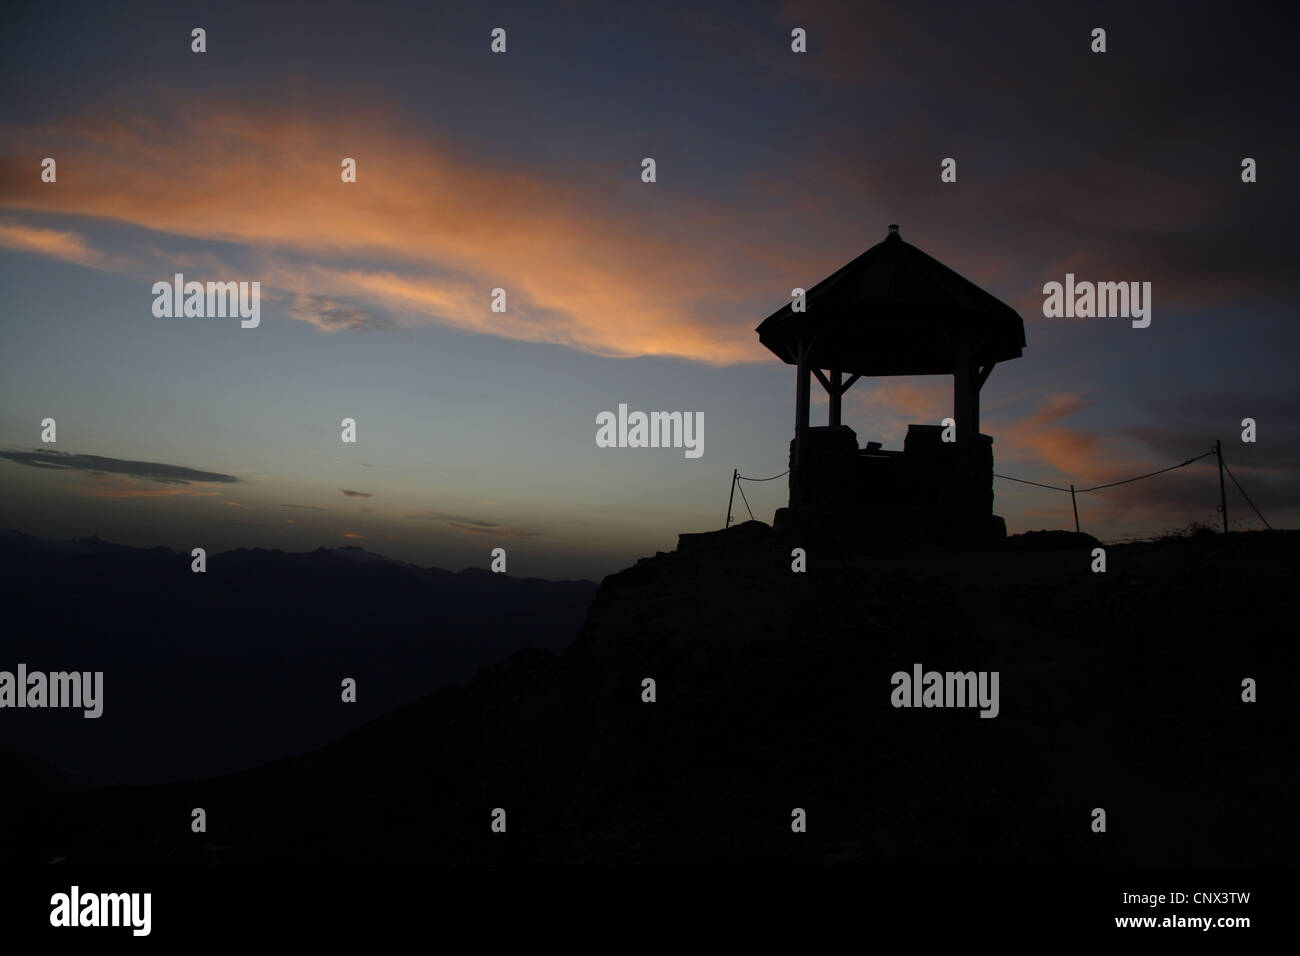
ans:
(894, 310)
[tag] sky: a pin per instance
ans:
(522, 170)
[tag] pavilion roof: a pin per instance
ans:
(894, 311)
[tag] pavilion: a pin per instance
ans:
(894, 311)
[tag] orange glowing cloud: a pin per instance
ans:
(1056, 407)
(57, 244)
(1079, 454)
(425, 232)
(887, 407)
(1071, 451)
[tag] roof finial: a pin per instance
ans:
(893, 231)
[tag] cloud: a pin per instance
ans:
(1189, 424)
(886, 407)
(426, 233)
(474, 526)
(1186, 426)
(1055, 407)
(496, 530)
(96, 465)
(356, 494)
(1171, 499)
(330, 316)
(1074, 452)
(56, 244)
(303, 507)
(118, 486)
(353, 535)
(593, 260)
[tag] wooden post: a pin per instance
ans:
(1072, 501)
(732, 497)
(803, 389)
(835, 393)
(1223, 499)
(963, 487)
(803, 385)
(961, 389)
(981, 376)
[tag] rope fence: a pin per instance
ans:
(736, 483)
(1217, 451)
(736, 479)
(1246, 496)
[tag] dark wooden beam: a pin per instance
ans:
(962, 390)
(983, 375)
(822, 378)
(849, 383)
(803, 387)
(836, 390)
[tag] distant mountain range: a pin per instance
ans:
(210, 673)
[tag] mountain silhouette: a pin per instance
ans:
(210, 673)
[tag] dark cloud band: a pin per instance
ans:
(97, 465)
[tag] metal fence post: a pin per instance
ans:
(732, 497)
